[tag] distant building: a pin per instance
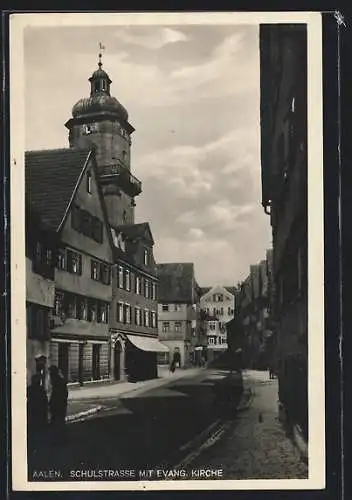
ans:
(283, 70)
(251, 329)
(40, 293)
(217, 303)
(180, 322)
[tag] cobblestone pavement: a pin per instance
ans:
(256, 446)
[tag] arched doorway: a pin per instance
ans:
(117, 360)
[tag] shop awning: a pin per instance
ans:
(147, 343)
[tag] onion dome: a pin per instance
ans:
(99, 103)
(100, 100)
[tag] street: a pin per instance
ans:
(176, 425)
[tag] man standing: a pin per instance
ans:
(37, 409)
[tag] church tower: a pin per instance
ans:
(101, 121)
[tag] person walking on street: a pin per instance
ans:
(58, 399)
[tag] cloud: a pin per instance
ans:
(152, 39)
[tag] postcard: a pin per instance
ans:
(167, 266)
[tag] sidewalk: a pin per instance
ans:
(84, 401)
(256, 446)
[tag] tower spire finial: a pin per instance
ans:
(100, 55)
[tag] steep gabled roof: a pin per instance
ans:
(176, 282)
(52, 177)
(135, 231)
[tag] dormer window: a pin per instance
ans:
(146, 257)
(96, 86)
(124, 155)
(89, 182)
(103, 85)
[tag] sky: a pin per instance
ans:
(192, 94)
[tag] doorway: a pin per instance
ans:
(117, 361)
(96, 361)
(80, 363)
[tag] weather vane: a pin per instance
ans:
(101, 49)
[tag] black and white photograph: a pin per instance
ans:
(167, 251)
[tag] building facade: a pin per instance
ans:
(252, 327)
(101, 122)
(283, 61)
(63, 187)
(40, 293)
(134, 321)
(180, 321)
(217, 303)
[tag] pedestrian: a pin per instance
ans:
(58, 399)
(37, 407)
(173, 366)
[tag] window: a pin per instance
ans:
(70, 300)
(146, 317)
(103, 312)
(120, 277)
(128, 280)
(124, 216)
(86, 224)
(146, 288)
(178, 326)
(211, 340)
(293, 104)
(105, 274)
(127, 313)
(221, 310)
(61, 259)
(75, 218)
(58, 303)
(82, 308)
(95, 270)
(138, 316)
(96, 229)
(165, 326)
(92, 310)
(154, 291)
(153, 319)
(138, 285)
(178, 307)
(124, 155)
(119, 312)
(73, 262)
(146, 260)
(165, 307)
(89, 182)
(48, 257)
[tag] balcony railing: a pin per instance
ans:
(126, 179)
